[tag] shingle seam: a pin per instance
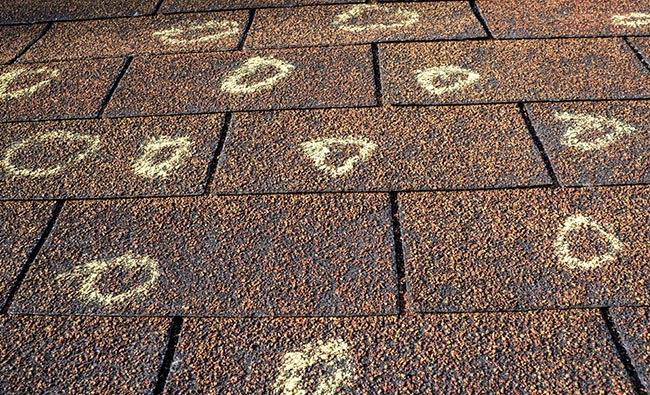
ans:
(227, 122)
(622, 352)
(399, 253)
(481, 19)
(58, 206)
(247, 28)
(168, 359)
(109, 95)
(28, 46)
(538, 144)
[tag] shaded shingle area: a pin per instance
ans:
(524, 249)
(533, 352)
(22, 226)
(565, 18)
(235, 256)
(107, 157)
(209, 5)
(54, 10)
(600, 143)
(248, 80)
(362, 23)
(14, 39)
(146, 35)
(60, 90)
(632, 326)
(47, 355)
(507, 71)
(379, 149)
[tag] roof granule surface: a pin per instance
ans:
(536, 352)
(80, 355)
(248, 80)
(565, 18)
(22, 226)
(511, 71)
(208, 5)
(526, 249)
(362, 23)
(378, 149)
(108, 157)
(230, 256)
(60, 90)
(14, 39)
(603, 143)
(27, 11)
(147, 35)
(632, 326)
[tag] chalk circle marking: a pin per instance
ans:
(633, 19)
(92, 142)
(578, 124)
(232, 82)
(91, 272)
(455, 77)
(216, 30)
(147, 165)
(580, 222)
(343, 20)
(294, 365)
(7, 78)
(319, 150)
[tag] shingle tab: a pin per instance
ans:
(208, 5)
(237, 256)
(533, 352)
(14, 39)
(526, 249)
(27, 11)
(162, 156)
(248, 80)
(378, 149)
(362, 23)
(565, 18)
(80, 355)
(146, 35)
(55, 90)
(510, 71)
(600, 143)
(632, 327)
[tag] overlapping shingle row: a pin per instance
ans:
(329, 198)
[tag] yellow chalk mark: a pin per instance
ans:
(319, 150)
(403, 18)
(442, 79)
(633, 19)
(232, 82)
(150, 166)
(11, 153)
(334, 353)
(580, 222)
(7, 78)
(580, 123)
(92, 272)
(216, 29)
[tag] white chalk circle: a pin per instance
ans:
(150, 165)
(319, 150)
(232, 83)
(215, 30)
(93, 272)
(403, 18)
(576, 135)
(578, 223)
(443, 79)
(633, 19)
(294, 365)
(91, 145)
(10, 76)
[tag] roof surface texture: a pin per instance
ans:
(324, 197)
